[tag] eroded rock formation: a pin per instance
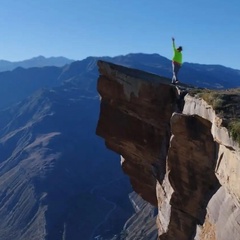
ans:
(175, 151)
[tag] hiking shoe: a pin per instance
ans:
(176, 81)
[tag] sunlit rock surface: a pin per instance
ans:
(175, 150)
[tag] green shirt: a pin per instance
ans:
(177, 55)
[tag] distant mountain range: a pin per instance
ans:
(21, 82)
(200, 75)
(57, 179)
(39, 61)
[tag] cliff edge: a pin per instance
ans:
(176, 149)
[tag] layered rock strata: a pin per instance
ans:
(181, 160)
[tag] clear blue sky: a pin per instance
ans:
(208, 30)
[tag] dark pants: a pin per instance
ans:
(176, 67)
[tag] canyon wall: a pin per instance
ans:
(176, 152)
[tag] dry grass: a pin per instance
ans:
(226, 104)
(234, 128)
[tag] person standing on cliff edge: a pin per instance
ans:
(176, 61)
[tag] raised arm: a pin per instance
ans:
(173, 41)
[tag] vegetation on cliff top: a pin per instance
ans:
(226, 104)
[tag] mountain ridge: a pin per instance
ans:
(39, 61)
(40, 144)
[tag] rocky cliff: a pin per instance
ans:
(176, 149)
